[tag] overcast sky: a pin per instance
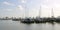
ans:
(19, 8)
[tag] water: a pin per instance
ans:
(16, 25)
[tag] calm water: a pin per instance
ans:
(16, 25)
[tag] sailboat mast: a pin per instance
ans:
(40, 12)
(52, 13)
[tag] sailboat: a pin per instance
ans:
(27, 19)
(52, 19)
(39, 19)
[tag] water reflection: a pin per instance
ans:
(28, 27)
(16, 25)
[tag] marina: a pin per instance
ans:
(41, 20)
(29, 14)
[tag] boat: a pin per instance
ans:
(15, 19)
(27, 20)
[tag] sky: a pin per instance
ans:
(29, 8)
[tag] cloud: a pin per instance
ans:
(23, 1)
(8, 10)
(7, 3)
(20, 7)
(51, 3)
